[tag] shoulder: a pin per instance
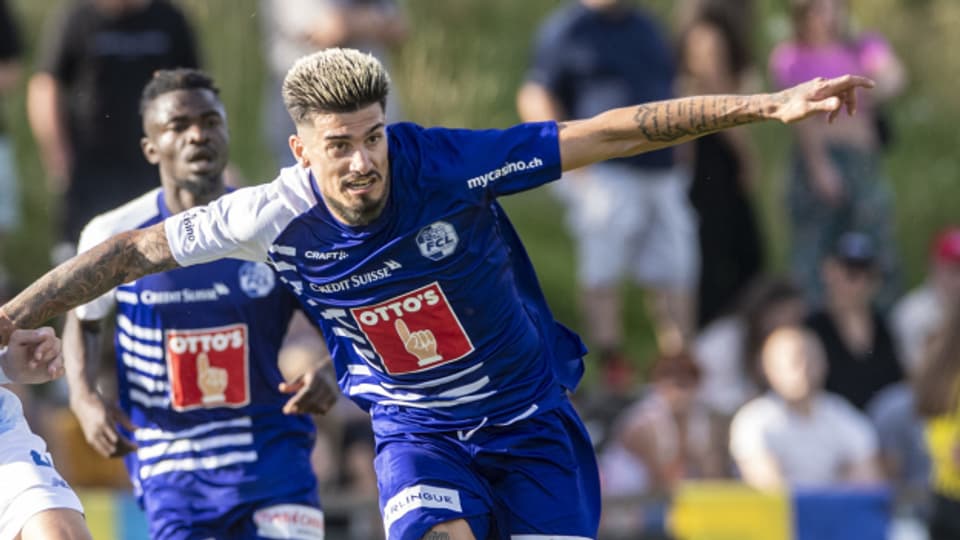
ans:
(757, 411)
(133, 215)
(840, 410)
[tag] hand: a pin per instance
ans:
(33, 356)
(99, 420)
(315, 392)
(820, 95)
(422, 343)
(6, 328)
(211, 380)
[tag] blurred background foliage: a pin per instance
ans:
(462, 66)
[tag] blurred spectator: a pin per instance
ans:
(836, 180)
(296, 28)
(662, 439)
(919, 313)
(861, 353)
(9, 77)
(937, 386)
(628, 216)
(83, 102)
(716, 58)
(797, 434)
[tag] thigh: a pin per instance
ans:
(545, 478)
(426, 480)
(29, 483)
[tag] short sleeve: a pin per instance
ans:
(747, 440)
(492, 163)
(239, 225)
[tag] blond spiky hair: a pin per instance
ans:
(334, 81)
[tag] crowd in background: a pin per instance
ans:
(806, 379)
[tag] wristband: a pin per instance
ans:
(3, 376)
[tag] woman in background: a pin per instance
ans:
(715, 58)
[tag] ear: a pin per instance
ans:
(298, 150)
(149, 151)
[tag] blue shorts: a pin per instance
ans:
(536, 478)
(292, 516)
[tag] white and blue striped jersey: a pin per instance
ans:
(197, 371)
(432, 313)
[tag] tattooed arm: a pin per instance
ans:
(122, 258)
(634, 130)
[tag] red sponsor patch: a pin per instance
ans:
(415, 331)
(208, 367)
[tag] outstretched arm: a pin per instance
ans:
(120, 259)
(633, 130)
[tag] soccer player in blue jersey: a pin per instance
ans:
(220, 449)
(35, 502)
(394, 241)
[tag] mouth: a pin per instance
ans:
(361, 185)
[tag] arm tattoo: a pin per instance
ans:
(120, 259)
(669, 121)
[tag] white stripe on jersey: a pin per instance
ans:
(139, 332)
(153, 434)
(437, 404)
(146, 366)
(141, 349)
(148, 384)
(359, 369)
(437, 382)
(192, 464)
(465, 389)
(289, 251)
(167, 448)
(281, 266)
(149, 401)
(127, 297)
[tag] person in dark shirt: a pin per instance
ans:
(83, 101)
(9, 77)
(861, 353)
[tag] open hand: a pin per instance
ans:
(818, 96)
(314, 392)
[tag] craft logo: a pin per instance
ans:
(414, 331)
(437, 240)
(208, 367)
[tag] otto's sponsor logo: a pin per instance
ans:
(256, 279)
(184, 296)
(506, 169)
(358, 280)
(289, 521)
(414, 331)
(338, 255)
(419, 496)
(437, 240)
(208, 367)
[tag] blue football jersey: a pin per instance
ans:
(197, 370)
(432, 313)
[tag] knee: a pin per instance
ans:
(56, 524)
(457, 529)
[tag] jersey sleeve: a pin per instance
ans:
(490, 163)
(239, 225)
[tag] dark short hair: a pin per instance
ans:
(170, 80)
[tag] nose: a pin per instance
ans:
(360, 162)
(197, 133)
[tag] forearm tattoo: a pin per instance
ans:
(676, 119)
(122, 258)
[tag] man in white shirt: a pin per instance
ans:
(798, 434)
(35, 502)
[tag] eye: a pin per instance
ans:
(338, 148)
(178, 125)
(374, 139)
(213, 121)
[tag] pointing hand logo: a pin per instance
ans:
(211, 380)
(421, 343)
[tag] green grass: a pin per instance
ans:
(462, 66)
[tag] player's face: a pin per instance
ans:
(347, 153)
(187, 137)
